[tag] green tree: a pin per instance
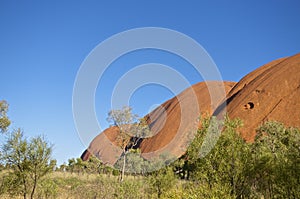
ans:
(94, 165)
(4, 120)
(135, 164)
(267, 168)
(29, 162)
(161, 181)
(222, 164)
(122, 119)
(80, 166)
(71, 165)
(276, 161)
(131, 131)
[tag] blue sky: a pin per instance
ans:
(42, 45)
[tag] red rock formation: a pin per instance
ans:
(171, 124)
(269, 93)
(104, 147)
(173, 131)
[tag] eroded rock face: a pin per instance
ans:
(174, 131)
(270, 93)
(104, 147)
(171, 124)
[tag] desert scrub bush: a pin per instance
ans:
(10, 185)
(129, 189)
(48, 189)
(192, 190)
(161, 181)
(100, 187)
(276, 161)
(176, 192)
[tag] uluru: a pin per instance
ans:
(269, 93)
(171, 124)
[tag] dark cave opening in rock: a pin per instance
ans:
(249, 105)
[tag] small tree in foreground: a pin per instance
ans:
(131, 130)
(161, 181)
(29, 162)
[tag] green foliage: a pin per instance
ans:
(116, 172)
(4, 120)
(276, 161)
(217, 164)
(89, 189)
(223, 163)
(132, 130)
(226, 168)
(122, 118)
(129, 189)
(47, 189)
(134, 162)
(161, 181)
(193, 190)
(11, 185)
(94, 165)
(71, 165)
(29, 162)
(268, 168)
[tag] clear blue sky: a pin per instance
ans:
(42, 45)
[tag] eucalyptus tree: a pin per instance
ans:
(29, 161)
(131, 130)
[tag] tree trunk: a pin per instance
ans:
(123, 169)
(34, 186)
(25, 188)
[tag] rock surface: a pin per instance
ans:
(171, 124)
(174, 129)
(271, 92)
